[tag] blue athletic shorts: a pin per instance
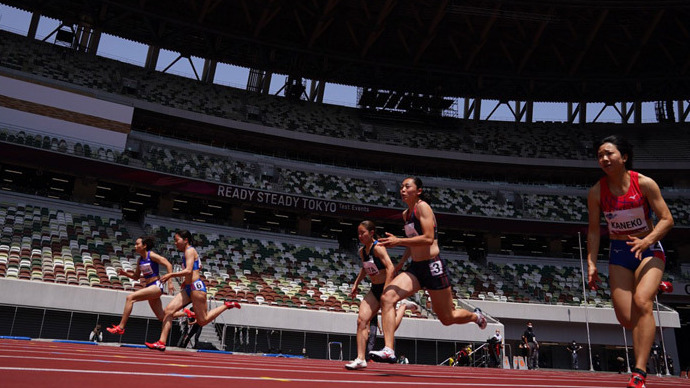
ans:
(619, 254)
(197, 285)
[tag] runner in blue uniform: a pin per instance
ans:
(193, 290)
(148, 268)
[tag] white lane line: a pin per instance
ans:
(325, 381)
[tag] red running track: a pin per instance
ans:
(53, 364)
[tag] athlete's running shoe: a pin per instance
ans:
(384, 355)
(231, 304)
(115, 329)
(189, 313)
(356, 364)
(481, 319)
(409, 304)
(665, 286)
(636, 381)
(158, 345)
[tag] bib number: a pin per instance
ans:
(370, 268)
(410, 230)
(146, 269)
(436, 268)
(198, 285)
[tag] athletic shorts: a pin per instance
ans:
(377, 290)
(197, 285)
(158, 284)
(619, 254)
(432, 273)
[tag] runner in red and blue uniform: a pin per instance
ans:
(637, 260)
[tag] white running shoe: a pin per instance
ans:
(481, 319)
(409, 304)
(384, 355)
(356, 364)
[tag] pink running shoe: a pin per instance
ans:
(115, 329)
(158, 345)
(231, 304)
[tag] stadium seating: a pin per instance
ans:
(537, 140)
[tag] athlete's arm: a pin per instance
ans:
(653, 194)
(188, 270)
(164, 262)
(382, 254)
(403, 260)
(426, 220)
(593, 236)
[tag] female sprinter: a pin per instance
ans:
(193, 290)
(378, 266)
(636, 259)
(147, 266)
(427, 270)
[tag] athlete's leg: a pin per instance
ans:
(203, 315)
(147, 293)
(442, 304)
(399, 314)
(647, 278)
(367, 308)
(157, 308)
(622, 282)
(180, 300)
(404, 285)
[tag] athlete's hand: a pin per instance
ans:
(592, 277)
(353, 293)
(165, 277)
(389, 241)
(637, 246)
(120, 271)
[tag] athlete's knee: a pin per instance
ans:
(642, 304)
(362, 323)
(445, 318)
(389, 298)
(624, 319)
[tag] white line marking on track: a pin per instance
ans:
(329, 381)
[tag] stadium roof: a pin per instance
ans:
(580, 51)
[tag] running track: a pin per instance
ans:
(53, 364)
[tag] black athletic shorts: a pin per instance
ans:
(432, 274)
(377, 290)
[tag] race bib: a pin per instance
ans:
(629, 221)
(410, 231)
(436, 267)
(198, 285)
(370, 268)
(145, 268)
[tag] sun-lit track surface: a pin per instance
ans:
(54, 364)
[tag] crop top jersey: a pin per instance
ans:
(148, 267)
(626, 214)
(371, 263)
(414, 228)
(197, 261)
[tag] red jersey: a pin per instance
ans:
(627, 214)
